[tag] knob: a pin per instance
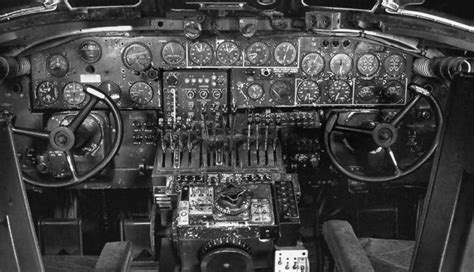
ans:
(172, 80)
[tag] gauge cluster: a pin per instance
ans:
(264, 72)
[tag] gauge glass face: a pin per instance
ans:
(341, 64)
(368, 64)
(228, 53)
(90, 51)
(73, 93)
(255, 91)
(112, 89)
(312, 64)
(200, 53)
(173, 53)
(394, 65)
(280, 91)
(47, 93)
(340, 92)
(258, 53)
(367, 92)
(58, 65)
(137, 57)
(141, 93)
(285, 53)
(394, 92)
(308, 92)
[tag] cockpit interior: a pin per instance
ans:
(263, 135)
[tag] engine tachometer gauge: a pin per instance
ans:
(340, 92)
(255, 91)
(137, 57)
(258, 53)
(280, 92)
(57, 65)
(90, 51)
(308, 92)
(47, 92)
(312, 64)
(285, 53)
(73, 93)
(200, 53)
(173, 53)
(394, 64)
(141, 93)
(368, 64)
(341, 64)
(228, 53)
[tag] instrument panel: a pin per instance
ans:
(262, 72)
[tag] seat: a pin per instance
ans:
(115, 256)
(366, 254)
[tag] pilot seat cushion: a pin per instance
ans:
(387, 255)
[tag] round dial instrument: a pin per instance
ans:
(340, 92)
(137, 57)
(200, 53)
(73, 93)
(57, 65)
(367, 92)
(308, 92)
(368, 64)
(258, 53)
(112, 89)
(173, 53)
(280, 91)
(228, 53)
(312, 64)
(285, 53)
(255, 91)
(47, 92)
(341, 64)
(141, 93)
(394, 92)
(394, 64)
(90, 51)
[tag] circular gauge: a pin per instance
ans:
(200, 53)
(285, 53)
(112, 89)
(173, 53)
(58, 65)
(312, 64)
(394, 65)
(394, 92)
(367, 92)
(141, 93)
(280, 91)
(255, 91)
(228, 53)
(47, 92)
(137, 57)
(73, 93)
(341, 64)
(90, 51)
(258, 53)
(368, 64)
(340, 92)
(308, 92)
